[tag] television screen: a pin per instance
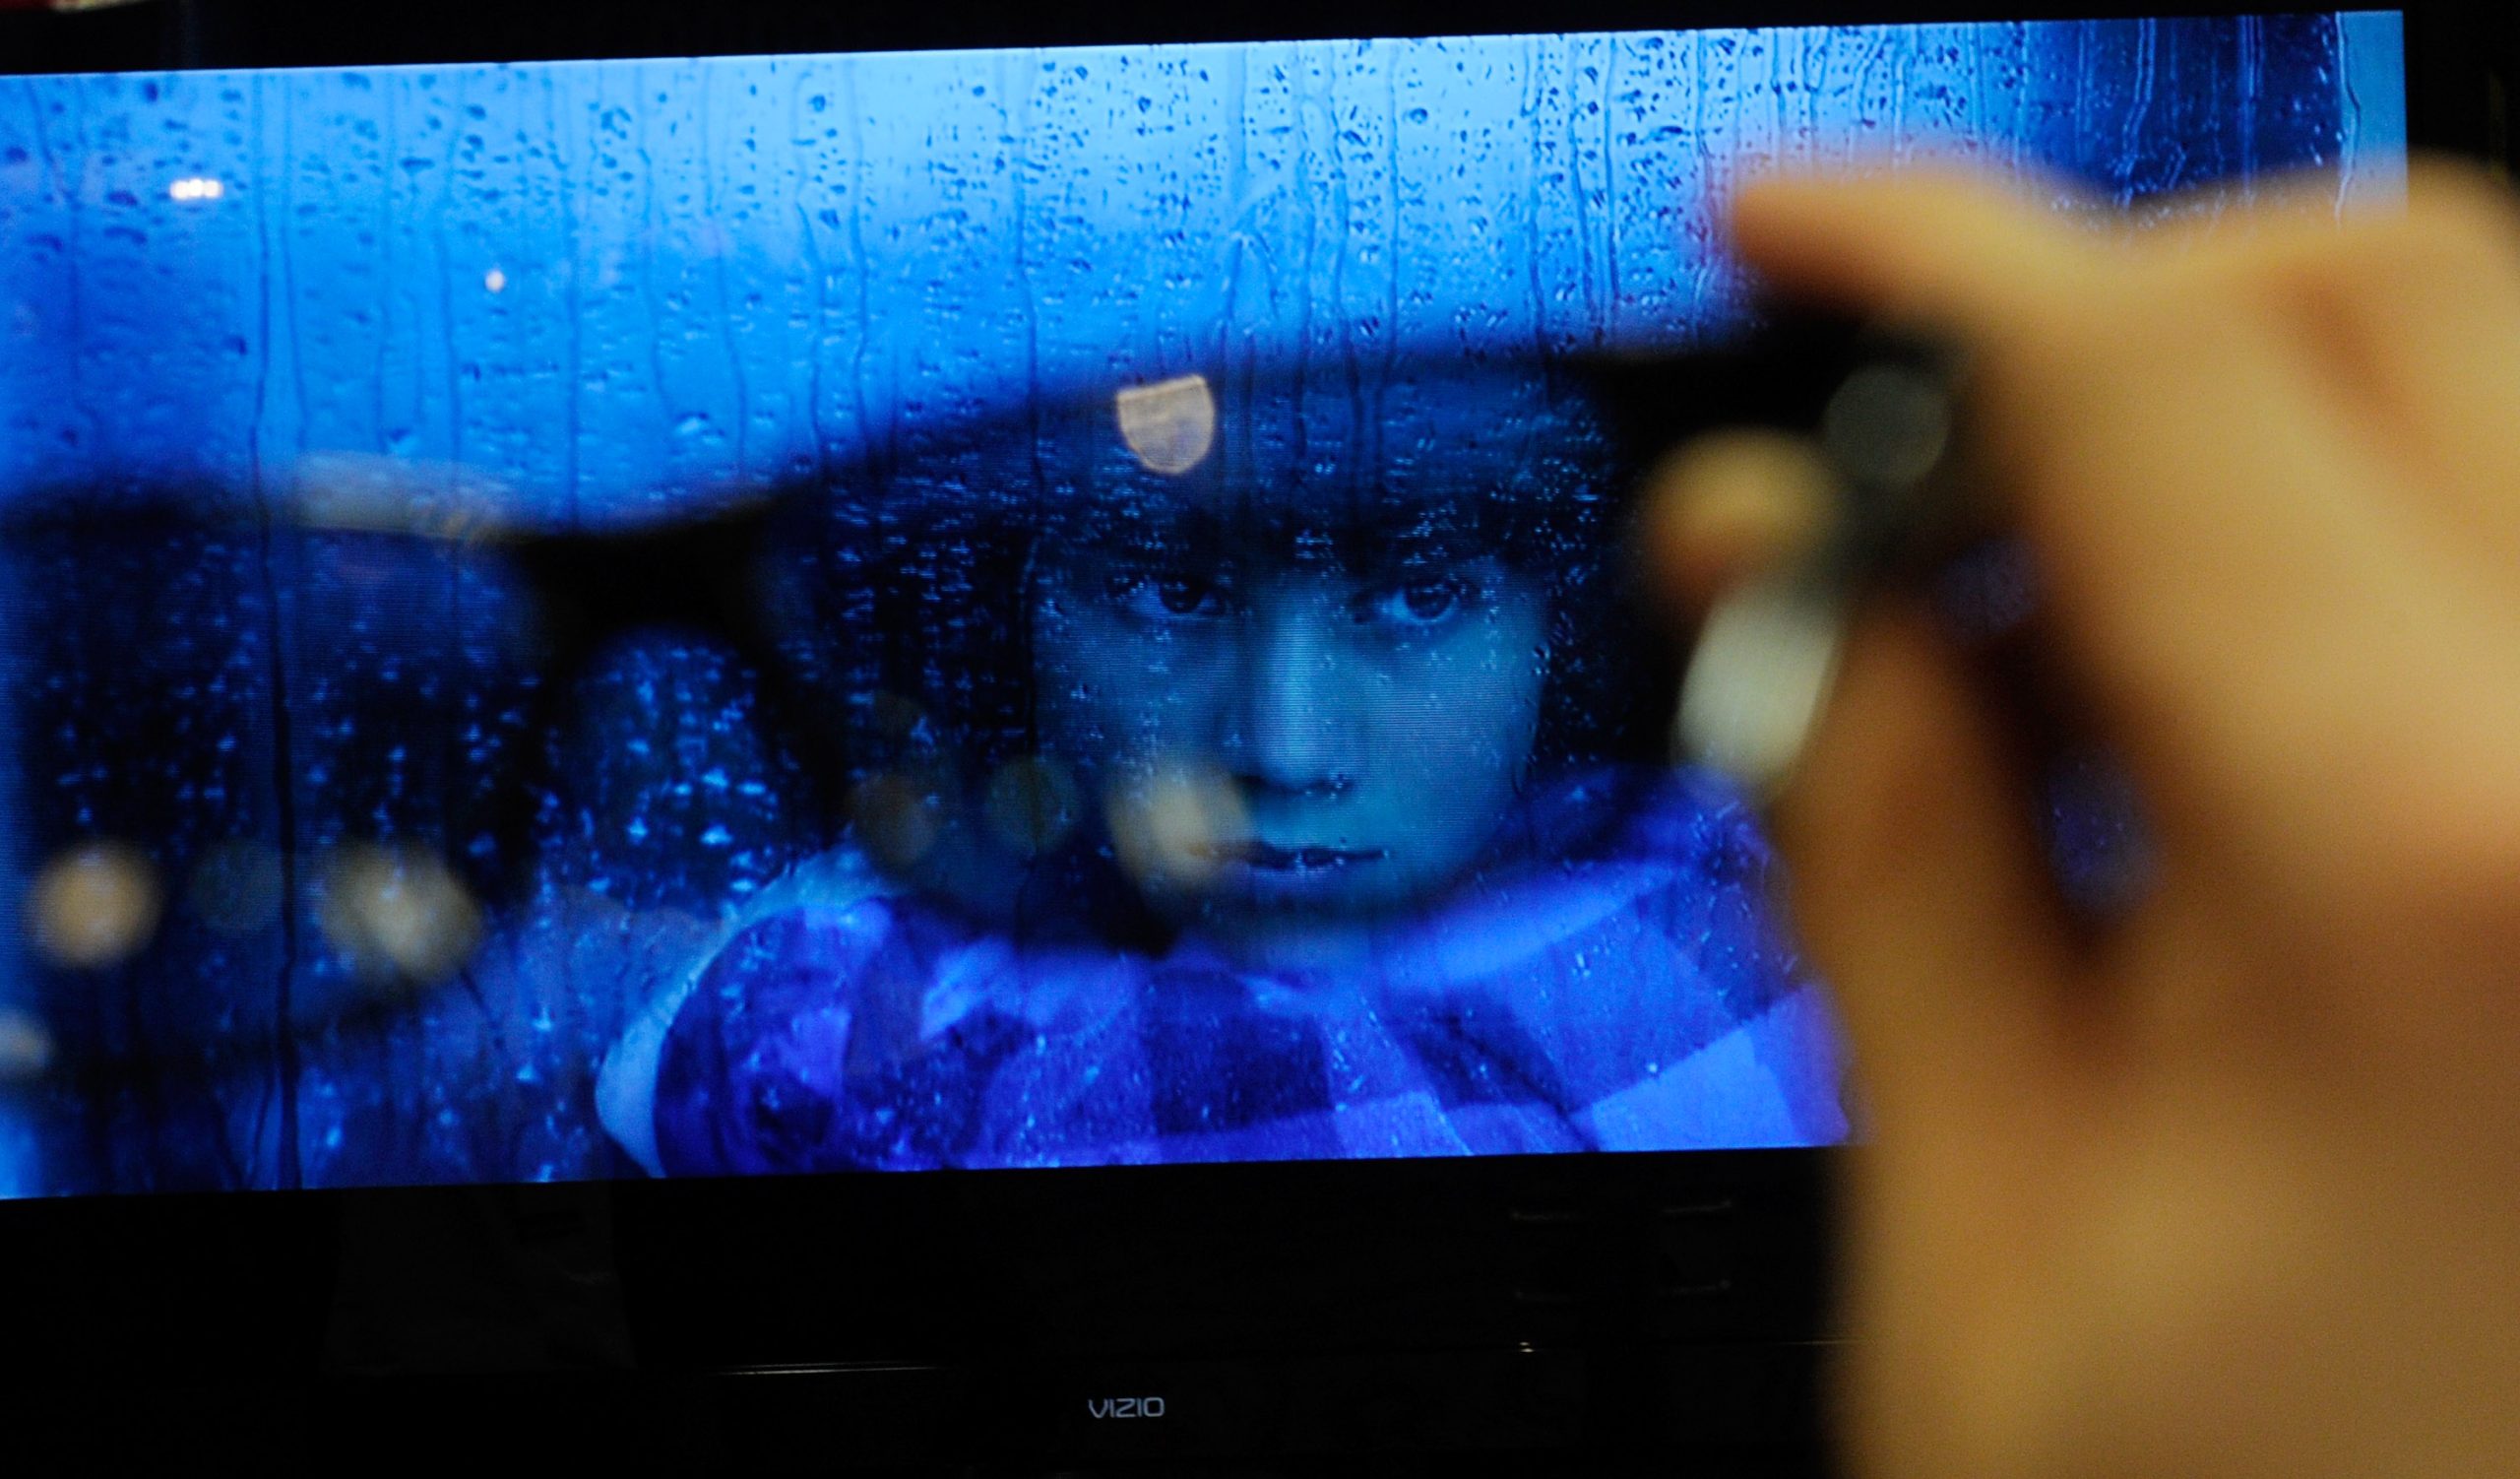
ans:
(975, 608)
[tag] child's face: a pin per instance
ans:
(1365, 714)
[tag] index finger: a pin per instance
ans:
(1933, 244)
(2214, 526)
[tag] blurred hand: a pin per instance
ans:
(2231, 1187)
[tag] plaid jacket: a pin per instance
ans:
(1635, 999)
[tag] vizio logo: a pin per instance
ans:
(1103, 1407)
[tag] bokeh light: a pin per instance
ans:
(26, 1045)
(95, 905)
(896, 820)
(1170, 426)
(1169, 824)
(398, 914)
(235, 887)
(1032, 804)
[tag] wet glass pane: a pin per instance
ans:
(813, 612)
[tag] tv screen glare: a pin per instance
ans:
(949, 609)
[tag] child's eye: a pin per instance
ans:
(1171, 595)
(1416, 602)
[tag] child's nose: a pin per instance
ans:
(1287, 731)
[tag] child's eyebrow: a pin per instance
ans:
(1420, 551)
(1132, 523)
(1385, 533)
(1368, 533)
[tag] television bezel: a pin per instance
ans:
(1691, 1287)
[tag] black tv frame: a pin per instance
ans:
(1601, 1310)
